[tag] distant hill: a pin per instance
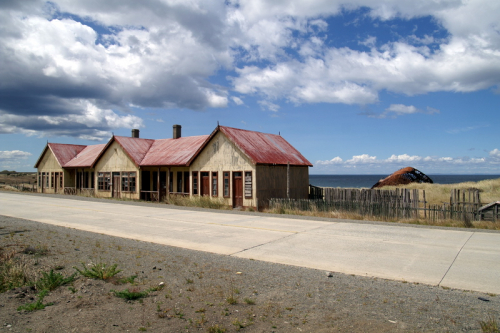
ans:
(7, 172)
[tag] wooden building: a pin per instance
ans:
(242, 168)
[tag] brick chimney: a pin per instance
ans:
(177, 131)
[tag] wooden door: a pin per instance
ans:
(237, 189)
(116, 185)
(205, 184)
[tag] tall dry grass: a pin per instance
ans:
(436, 194)
(197, 201)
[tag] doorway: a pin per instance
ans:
(205, 184)
(116, 184)
(237, 189)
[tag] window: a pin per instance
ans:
(179, 181)
(214, 184)
(248, 184)
(104, 181)
(186, 181)
(226, 184)
(40, 180)
(171, 182)
(92, 180)
(128, 181)
(195, 182)
(47, 179)
(85, 180)
(61, 177)
(52, 181)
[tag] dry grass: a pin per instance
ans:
(436, 194)
(198, 201)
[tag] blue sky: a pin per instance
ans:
(358, 87)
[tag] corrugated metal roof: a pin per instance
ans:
(135, 148)
(174, 152)
(65, 152)
(86, 157)
(264, 148)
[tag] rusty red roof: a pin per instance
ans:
(62, 152)
(86, 157)
(173, 152)
(263, 148)
(135, 148)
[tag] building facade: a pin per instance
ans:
(242, 168)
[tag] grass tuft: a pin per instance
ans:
(98, 271)
(489, 326)
(130, 295)
(38, 305)
(50, 281)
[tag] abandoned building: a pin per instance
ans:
(243, 168)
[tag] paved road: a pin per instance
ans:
(465, 259)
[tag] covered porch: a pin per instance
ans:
(159, 182)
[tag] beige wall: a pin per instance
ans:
(115, 159)
(48, 164)
(272, 182)
(222, 155)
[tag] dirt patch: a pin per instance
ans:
(192, 291)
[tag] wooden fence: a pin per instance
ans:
(386, 204)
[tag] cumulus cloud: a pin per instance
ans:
(13, 155)
(368, 163)
(468, 60)
(13, 158)
(61, 77)
(58, 56)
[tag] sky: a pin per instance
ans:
(358, 86)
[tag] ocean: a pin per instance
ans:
(367, 181)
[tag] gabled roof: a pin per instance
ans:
(86, 157)
(173, 152)
(263, 148)
(135, 148)
(62, 152)
(260, 148)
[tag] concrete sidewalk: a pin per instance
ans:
(465, 259)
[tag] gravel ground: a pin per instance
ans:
(215, 293)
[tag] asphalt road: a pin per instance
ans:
(463, 259)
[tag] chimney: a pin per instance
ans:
(177, 131)
(135, 133)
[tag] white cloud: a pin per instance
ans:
(495, 154)
(163, 54)
(268, 105)
(369, 164)
(395, 110)
(237, 100)
(13, 155)
(362, 159)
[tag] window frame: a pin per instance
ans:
(214, 184)
(195, 183)
(245, 185)
(104, 181)
(128, 181)
(226, 176)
